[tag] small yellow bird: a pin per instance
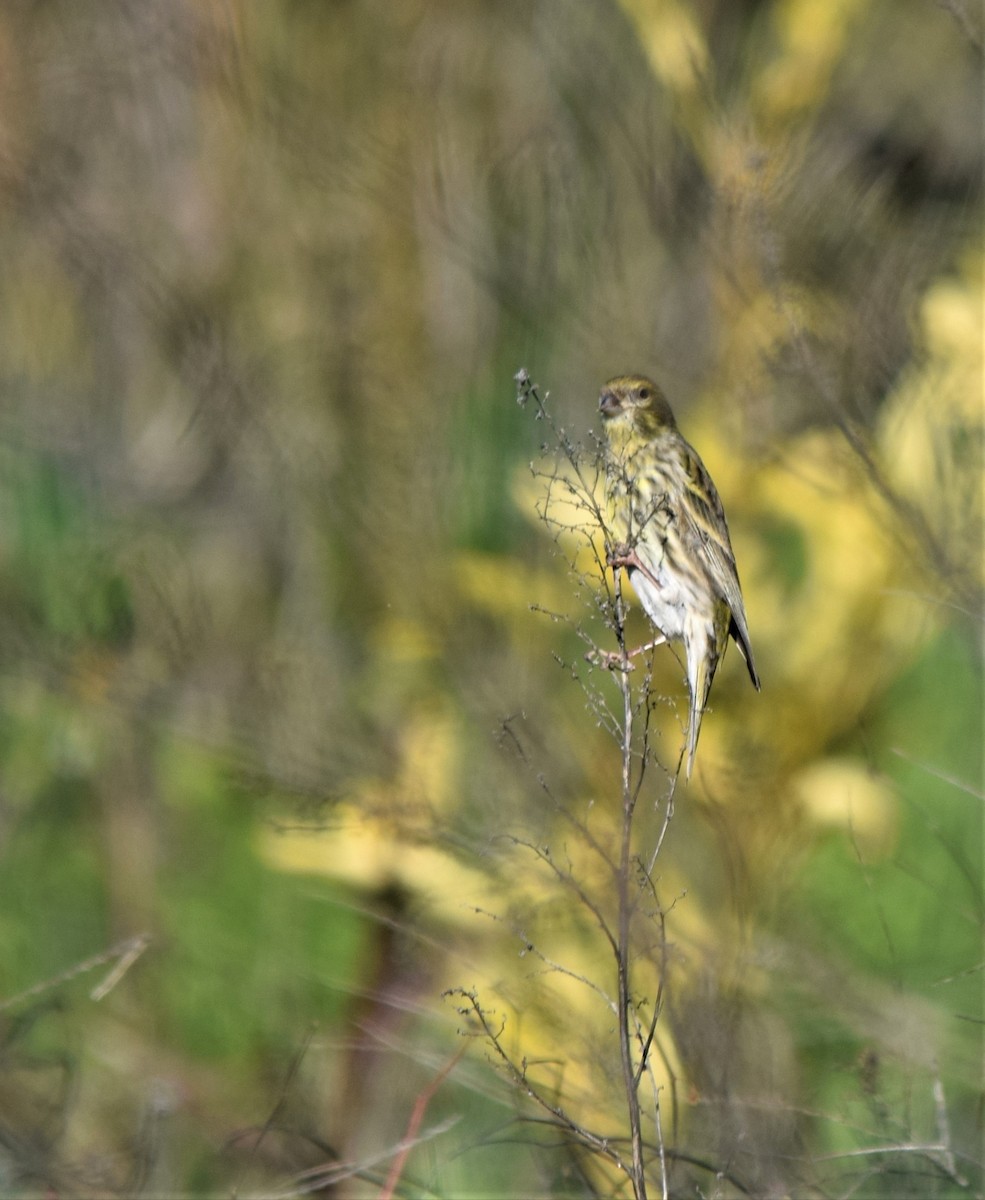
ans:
(670, 534)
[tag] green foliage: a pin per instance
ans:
(60, 574)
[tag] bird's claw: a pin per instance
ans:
(610, 660)
(622, 555)
(626, 557)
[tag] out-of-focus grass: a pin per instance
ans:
(917, 906)
(888, 942)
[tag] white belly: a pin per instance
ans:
(668, 604)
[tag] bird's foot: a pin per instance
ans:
(620, 660)
(648, 646)
(622, 555)
(626, 557)
(610, 660)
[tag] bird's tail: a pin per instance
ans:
(694, 720)
(704, 643)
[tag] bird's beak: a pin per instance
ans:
(609, 404)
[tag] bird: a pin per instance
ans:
(667, 529)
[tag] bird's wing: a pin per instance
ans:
(704, 528)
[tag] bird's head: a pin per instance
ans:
(633, 404)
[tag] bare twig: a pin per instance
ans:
(627, 906)
(606, 1147)
(571, 510)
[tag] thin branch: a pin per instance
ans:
(573, 483)
(626, 910)
(604, 1146)
(530, 947)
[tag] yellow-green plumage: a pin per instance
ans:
(669, 526)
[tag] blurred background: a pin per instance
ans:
(273, 700)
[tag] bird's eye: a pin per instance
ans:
(644, 393)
